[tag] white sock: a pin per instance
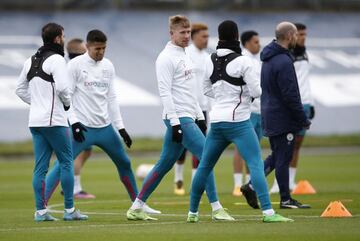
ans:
(238, 179)
(268, 212)
(193, 172)
(41, 211)
(70, 210)
(77, 184)
(215, 206)
(197, 213)
(251, 186)
(275, 184)
(137, 204)
(292, 174)
(179, 172)
(247, 178)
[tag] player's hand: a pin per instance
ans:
(202, 125)
(312, 112)
(125, 137)
(66, 108)
(177, 134)
(307, 124)
(77, 130)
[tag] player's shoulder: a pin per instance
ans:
(108, 64)
(164, 57)
(242, 61)
(56, 59)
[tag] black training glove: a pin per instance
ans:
(125, 137)
(177, 134)
(66, 108)
(312, 112)
(202, 125)
(307, 124)
(77, 130)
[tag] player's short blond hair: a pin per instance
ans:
(178, 21)
(197, 27)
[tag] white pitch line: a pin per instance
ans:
(244, 218)
(148, 223)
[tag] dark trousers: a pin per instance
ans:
(282, 148)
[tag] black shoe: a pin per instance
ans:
(62, 193)
(250, 196)
(293, 204)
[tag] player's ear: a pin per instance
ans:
(57, 39)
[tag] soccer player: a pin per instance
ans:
(231, 80)
(282, 112)
(250, 41)
(95, 107)
(43, 84)
(76, 47)
(302, 69)
(175, 75)
(197, 53)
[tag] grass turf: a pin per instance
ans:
(335, 177)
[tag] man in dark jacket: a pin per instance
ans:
(282, 112)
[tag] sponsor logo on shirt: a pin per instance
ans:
(96, 84)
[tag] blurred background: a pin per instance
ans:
(138, 31)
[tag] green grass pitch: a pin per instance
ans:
(334, 176)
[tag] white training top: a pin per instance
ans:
(255, 106)
(232, 103)
(46, 99)
(94, 100)
(302, 69)
(199, 57)
(175, 76)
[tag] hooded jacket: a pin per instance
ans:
(281, 108)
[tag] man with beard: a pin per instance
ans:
(43, 84)
(282, 112)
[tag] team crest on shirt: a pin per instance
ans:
(290, 137)
(106, 74)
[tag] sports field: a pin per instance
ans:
(334, 175)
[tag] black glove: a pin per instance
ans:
(202, 125)
(77, 130)
(177, 134)
(125, 137)
(307, 124)
(312, 112)
(66, 108)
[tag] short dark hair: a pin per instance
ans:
(50, 31)
(96, 36)
(247, 35)
(300, 26)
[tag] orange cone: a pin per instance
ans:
(336, 209)
(304, 187)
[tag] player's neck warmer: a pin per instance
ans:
(57, 48)
(234, 45)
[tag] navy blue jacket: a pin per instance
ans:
(281, 108)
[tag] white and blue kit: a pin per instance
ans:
(198, 57)
(302, 69)
(233, 89)
(255, 116)
(48, 121)
(95, 105)
(174, 71)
